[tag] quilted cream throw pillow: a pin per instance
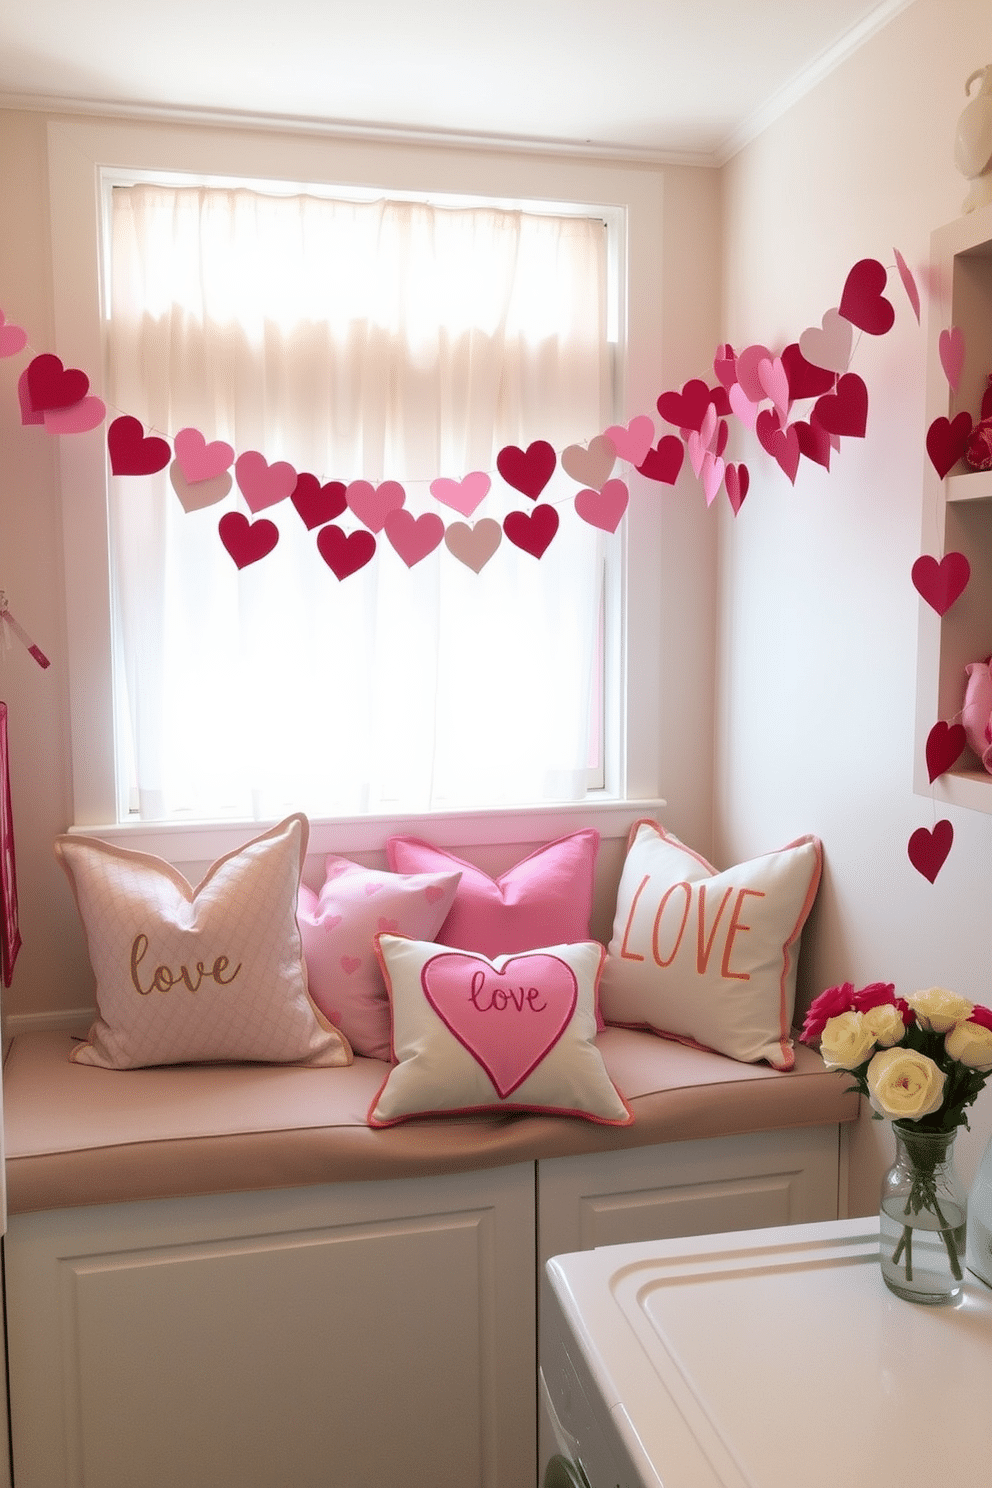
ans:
(188, 975)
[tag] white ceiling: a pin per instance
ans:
(673, 79)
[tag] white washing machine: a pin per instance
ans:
(761, 1359)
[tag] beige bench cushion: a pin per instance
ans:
(77, 1135)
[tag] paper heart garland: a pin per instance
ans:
(132, 452)
(464, 989)
(737, 479)
(315, 503)
(50, 385)
(462, 495)
(947, 440)
(77, 418)
(13, 338)
(945, 746)
(928, 850)
(748, 362)
(246, 541)
(863, 303)
(941, 583)
(590, 466)
(198, 460)
(774, 380)
(844, 411)
(605, 508)
(373, 504)
(413, 537)
(529, 470)
(741, 405)
(687, 409)
(805, 379)
(632, 441)
(263, 484)
(829, 345)
(198, 495)
(345, 553)
(664, 462)
(532, 531)
(474, 546)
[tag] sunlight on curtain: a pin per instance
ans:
(376, 340)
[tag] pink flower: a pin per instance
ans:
(874, 995)
(829, 1004)
(981, 1015)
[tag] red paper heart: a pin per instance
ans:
(945, 745)
(947, 440)
(246, 541)
(28, 415)
(722, 435)
(724, 365)
(805, 379)
(814, 442)
(50, 385)
(687, 409)
(345, 553)
(736, 478)
(414, 537)
(941, 583)
(862, 302)
(315, 503)
(532, 531)
(928, 850)
(844, 411)
(527, 470)
(132, 452)
(664, 462)
(781, 444)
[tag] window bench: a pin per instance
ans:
(222, 1277)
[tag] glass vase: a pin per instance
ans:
(923, 1218)
(980, 1219)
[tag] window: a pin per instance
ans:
(360, 340)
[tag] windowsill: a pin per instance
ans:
(202, 842)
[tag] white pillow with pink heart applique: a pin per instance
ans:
(515, 1033)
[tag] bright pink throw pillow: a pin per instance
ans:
(544, 900)
(338, 928)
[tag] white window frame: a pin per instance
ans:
(83, 156)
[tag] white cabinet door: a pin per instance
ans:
(361, 1335)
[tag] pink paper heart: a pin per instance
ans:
(951, 351)
(713, 473)
(198, 460)
(725, 365)
(508, 1021)
(829, 345)
(737, 478)
(532, 531)
(246, 541)
(345, 553)
(29, 415)
(773, 379)
(742, 406)
(945, 745)
(908, 283)
(862, 302)
(414, 537)
(928, 850)
(474, 546)
(132, 451)
(263, 484)
(748, 362)
(373, 504)
(941, 582)
(77, 418)
(633, 441)
(605, 508)
(13, 338)
(202, 493)
(591, 465)
(462, 495)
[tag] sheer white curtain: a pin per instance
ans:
(376, 340)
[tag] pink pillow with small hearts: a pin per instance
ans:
(338, 927)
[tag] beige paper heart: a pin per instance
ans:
(195, 495)
(474, 546)
(592, 466)
(829, 344)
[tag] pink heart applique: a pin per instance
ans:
(78, 418)
(532, 531)
(941, 583)
(462, 495)
(373, 504)
(330, 922)
(736, 478)
(200, 494)
(805, 379)
(947, 440)
(781, 444)
(945, 746)
(246, 541)
(605, 508)
(345, 553)
(263, 484)
(350, 964)
(315, 503)
(748, 380)
(414, 537)
(132, 452)
(829, 345)
(13, 338)
(950, 347)
(529, 470)
(388, 927)
(50, 385)
(633, 441)
(433, 892)
(198, 460)
(862, 302)
(508, 1020)
(590, 466)
(664, 462)
(844, 411)
(474, 546)
(928, 850)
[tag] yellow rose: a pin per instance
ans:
(939, 1009)
(885, 1022)
(846, 1041)
(970, 1044)
(904, 1084)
